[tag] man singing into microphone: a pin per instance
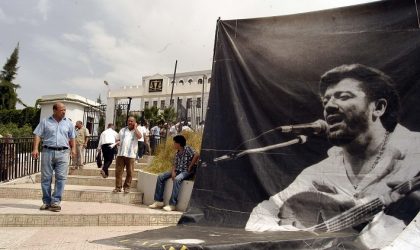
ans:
(371, 154)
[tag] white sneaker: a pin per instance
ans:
(169, 208)
(157, 204)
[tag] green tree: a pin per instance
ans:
(8, 95)
(152, 115)
(169, 114)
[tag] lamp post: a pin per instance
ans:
(128, 110)
(202, 98)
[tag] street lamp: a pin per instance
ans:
(202, 98)
(128, 110)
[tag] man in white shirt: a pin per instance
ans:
(126, 156)
(155, 137)
(140, 142)
(106, 145)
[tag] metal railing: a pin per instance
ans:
(16, 160)
(90, 150)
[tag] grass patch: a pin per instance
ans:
(164, 158)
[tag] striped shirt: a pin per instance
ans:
(128, 143)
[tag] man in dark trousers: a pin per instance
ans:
(106, 145)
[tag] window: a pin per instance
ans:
(181, 81)
(162, 104)
(146, 105)
(190, 81)
(200, 81)
(155, 103)
(198, 102)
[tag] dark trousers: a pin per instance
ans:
(140, 150)
(108, 154)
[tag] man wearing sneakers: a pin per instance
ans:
(126, 156)
(106, 145)
(57, 134)
(185, 160)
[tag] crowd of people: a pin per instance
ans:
(61, 141)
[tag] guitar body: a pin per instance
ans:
(307, 209)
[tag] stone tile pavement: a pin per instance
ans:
(64, 237)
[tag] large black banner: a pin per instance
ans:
(267, 74)
(350, 179)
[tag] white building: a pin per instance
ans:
(78, 108)
(191, 90)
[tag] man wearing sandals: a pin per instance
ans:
(126, 156)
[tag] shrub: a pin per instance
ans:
(164, 158)
(12, 128)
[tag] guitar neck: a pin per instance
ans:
(363, 212)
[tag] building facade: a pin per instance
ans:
(78, 108)
(189, 95)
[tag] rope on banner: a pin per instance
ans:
(236, 26)
(417, 11)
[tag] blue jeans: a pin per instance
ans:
(160, 186)
(57, 161)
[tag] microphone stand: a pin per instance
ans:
(300, 139)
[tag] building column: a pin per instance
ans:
(110, 111)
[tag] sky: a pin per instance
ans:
(72, 46)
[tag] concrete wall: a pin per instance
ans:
(147, 183)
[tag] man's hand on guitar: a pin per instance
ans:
(403, 201)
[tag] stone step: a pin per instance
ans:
(136, 166)
(90, 181)
(26, 213)
(96, 172)
(72, 193)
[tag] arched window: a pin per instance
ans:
(190, 81)
(200, 81)
(181, 81)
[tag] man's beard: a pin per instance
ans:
(349, 129)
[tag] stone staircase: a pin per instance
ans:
(87, 201)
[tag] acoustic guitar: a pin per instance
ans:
(324, 212)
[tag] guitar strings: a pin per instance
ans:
(355, 218)
(348, 218)
(342, 221)
(351, 217)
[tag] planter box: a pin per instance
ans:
(147, 183)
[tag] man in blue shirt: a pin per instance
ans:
(57, 134)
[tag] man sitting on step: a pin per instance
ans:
(185, 160)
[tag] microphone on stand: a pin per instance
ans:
(232, 156)
(318, 127)
(314, 128)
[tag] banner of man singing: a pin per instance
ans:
(312, 126)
